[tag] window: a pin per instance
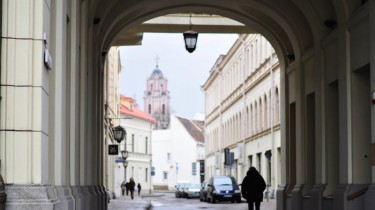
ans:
(146, 175)
(250, 160)
(149, 108)
(146, 147)
(259, 160)
(168, 156)
(194, 168)
(153, 171)
(132, 142)
(163, 109)
(165, 175)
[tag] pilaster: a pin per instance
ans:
(78, 197)
(65, 196)
(317, 197)
(296, 201)
(281, 197)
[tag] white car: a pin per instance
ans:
(192, 191)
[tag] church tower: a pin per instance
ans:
(156, 99)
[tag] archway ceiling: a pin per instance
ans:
(291, 26)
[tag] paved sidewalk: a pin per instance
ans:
(125, 202)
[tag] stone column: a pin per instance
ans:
(24, 91)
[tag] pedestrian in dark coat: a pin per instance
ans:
(252, 188)
(139, 188)
(131, 187)
(127, 188)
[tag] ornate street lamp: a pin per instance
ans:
(119, 133)
(190, 38)
(124, 154)
(125, 164)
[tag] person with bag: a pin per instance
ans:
(252, 188)
(131, 187)
(123, 184)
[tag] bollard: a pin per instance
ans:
(3, 195)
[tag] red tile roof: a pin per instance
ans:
(130, 108)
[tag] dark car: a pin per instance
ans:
(203, 191)
(223, 188)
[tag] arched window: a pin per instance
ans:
(277, 106)
(161, 87)
(149, 108)
(251, 124)
(256, 117)
(163, 109)
(265, 112)
(260, 111)
(151, 87)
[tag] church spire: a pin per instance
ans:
(156, 98)
(157, 58)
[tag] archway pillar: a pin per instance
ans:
(370, 195)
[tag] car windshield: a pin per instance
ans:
(194, 186)
(223, 181)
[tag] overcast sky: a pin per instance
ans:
(186, 72)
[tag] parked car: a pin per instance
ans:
(184, 190)
(223, 188)
(203, 191)
(192, 191)
(180, 190)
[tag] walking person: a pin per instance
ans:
(127, 188)
(123, 184)
(131, 187)
(139, 188)
(252, 188)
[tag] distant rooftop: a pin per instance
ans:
(195, 128)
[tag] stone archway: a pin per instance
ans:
(322, 45)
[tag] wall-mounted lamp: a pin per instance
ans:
(119, 133)
(190, 38)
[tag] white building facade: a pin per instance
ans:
(178, 153)
(242, 111)
(112, 113)
(138, 126)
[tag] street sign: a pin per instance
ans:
(119, 160)
(113, 149)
